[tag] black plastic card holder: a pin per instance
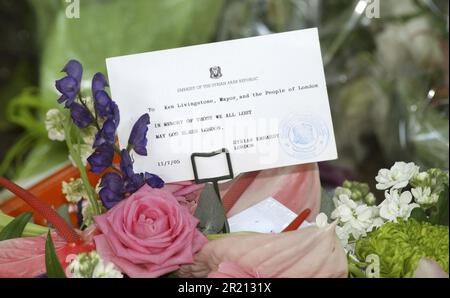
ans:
(214, 180)
(212, 154)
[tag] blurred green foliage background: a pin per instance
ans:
(387, 77)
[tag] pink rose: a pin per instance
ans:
(186, 192)
(148, 234)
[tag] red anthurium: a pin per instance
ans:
(61, 226)
(25, 257)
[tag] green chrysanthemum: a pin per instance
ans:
(401, 245)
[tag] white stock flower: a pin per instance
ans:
(356, 218)
(87, 212)
(90, 265)
(341, 233)
(54, 123)
(84, 150)
(377, 221)
(370, 199)
(342, 191)
(321, 220)
(397, 176)
(74, 190)
(396, 205)
(75, 267)
(88, 135)
(422, 176)
(423, 196)
(108, 271)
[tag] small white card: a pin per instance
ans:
(263, 98)
(268, 216)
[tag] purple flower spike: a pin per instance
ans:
(99, 83)
(102, 103)
(132, 181)
(74, 69)
(69, 86)
(112, 189)
(106, 135)
(80, 115)
(126, 164)
(102, 158)
(153, 180)
(138, 135)
(115, 115)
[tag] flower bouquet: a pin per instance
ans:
(134, 225)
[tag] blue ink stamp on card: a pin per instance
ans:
(303, 136)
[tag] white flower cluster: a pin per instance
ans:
(423, 196)
(74, 190)
(355, 217)
(54, 123)
(396, 205)
(87, 213)
(398, 176)
(90, 265)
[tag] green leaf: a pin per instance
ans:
(15, 228)
(52, 265)
(326, 202)
(440, 215)
(210, 212)
(30, 229)
(419, 215)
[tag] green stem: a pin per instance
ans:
(92, 197)
(354, 267)
(354, 271)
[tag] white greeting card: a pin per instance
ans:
(263, 98)
(267, 216)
